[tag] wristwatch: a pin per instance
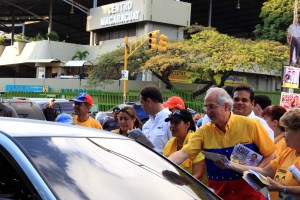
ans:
(284, 189)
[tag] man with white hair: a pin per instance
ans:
(220, 136)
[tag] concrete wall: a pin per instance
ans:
(258, 83)
(113, 85)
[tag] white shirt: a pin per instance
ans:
(205, 119)
(157, 130)
(294, 30)
(264, 123)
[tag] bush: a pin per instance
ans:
(53, 36)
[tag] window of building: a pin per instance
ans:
(116, 32)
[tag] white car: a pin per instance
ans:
(50, 160)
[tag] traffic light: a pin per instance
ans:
(162, 43)
(152, 41)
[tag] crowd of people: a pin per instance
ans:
(234, 115)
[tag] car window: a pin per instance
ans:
(14, 184)
(60, 107)
(27, 110)
(57, 107)
(105, 165)
(67, 107)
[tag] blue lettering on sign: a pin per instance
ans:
(25, 88)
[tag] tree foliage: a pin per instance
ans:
(80, 55)
(276, 15)
(207, 53)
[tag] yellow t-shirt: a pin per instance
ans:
(281, 164)
(280, 144)
(239, 129)
(171, 147)
(92, 123)
(118, 131)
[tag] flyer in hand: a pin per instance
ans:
(138, 135)
(257, 181)
(215, 156)
(243, 155)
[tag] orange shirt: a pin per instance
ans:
(92, 123)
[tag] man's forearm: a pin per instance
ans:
(266, 160)
(178, 157)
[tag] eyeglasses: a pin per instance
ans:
(210, 107)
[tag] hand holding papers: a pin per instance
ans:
(257, 181)
(215, 157)
(140, 137)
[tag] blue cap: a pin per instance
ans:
(83, 97)
(64, 118)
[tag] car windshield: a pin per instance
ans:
(98, 168)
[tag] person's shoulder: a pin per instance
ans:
(164, 113)
(94, 120)
(115, 131)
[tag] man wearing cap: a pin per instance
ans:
(155, 129)
(174, 103)
(82, 105)
(49, 112)
(183, 128)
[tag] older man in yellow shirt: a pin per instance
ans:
(220, 136)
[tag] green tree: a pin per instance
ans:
(52, 36)
(210, 53)
(276, 15)
(80, 55)
(207, 54)
(107, 64)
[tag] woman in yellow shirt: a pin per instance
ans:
(272, 114)
(182, 128)
(128, 120)
(278, 173)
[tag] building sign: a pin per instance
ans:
(120, 13)
(181, 76)
(232, 80)
(27, 88)
(236, 80)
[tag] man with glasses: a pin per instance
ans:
(82, 105)
(243, 103)
(220, 136)
(155, 129)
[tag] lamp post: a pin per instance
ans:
(125, 68)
